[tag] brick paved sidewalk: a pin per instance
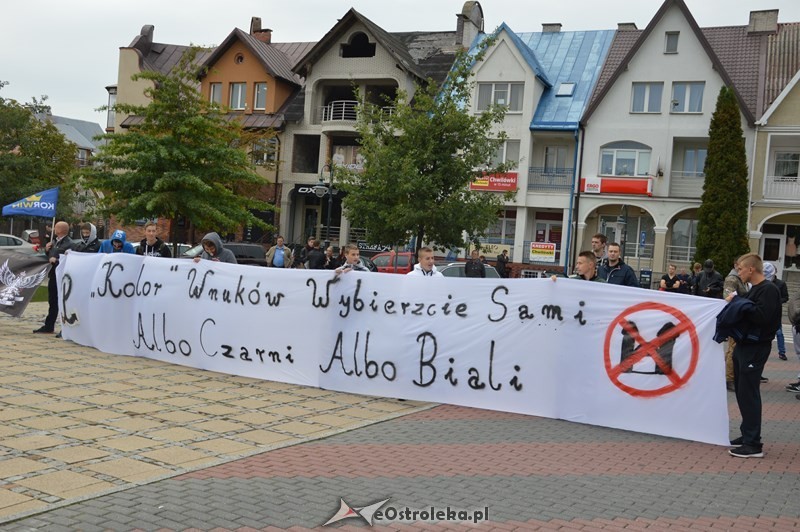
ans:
(76, 423)
(532, 473)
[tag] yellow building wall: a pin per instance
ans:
(250, 71)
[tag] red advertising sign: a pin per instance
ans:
(495, 182)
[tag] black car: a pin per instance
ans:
(245, 253)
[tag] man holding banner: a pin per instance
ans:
(54, 249)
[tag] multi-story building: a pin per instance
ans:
(608, 129)
(646, 129)
(305, 91)
(774, 220)
(545, 80)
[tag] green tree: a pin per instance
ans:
(34, 155)
(722, 216)
(183, 158)
(420, 160)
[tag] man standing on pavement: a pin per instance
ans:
(502, 263)
(599, 248)
(279, 255)
(151, 245)
(424, 266)
(709, 281)
(760, 319)
(770, 274)
(474, 267)
(54, 249)
(585, 268)
(733, 285)
(794, 318)
(614, 271)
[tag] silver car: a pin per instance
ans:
(15, 243)
(456, 269)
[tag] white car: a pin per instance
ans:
(15, 243)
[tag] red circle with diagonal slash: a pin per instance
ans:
(648, 348)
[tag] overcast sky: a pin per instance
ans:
(68, 50)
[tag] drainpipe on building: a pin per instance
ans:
(576, 190)
(751, 174)
(571, 201)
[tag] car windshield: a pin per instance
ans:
(193, 252)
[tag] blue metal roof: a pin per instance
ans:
(568, 56)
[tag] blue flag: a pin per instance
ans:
(42, 204)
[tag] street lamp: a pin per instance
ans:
(322, 189)
(622, 221)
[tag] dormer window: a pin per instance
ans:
(359, 46)
(671, 42)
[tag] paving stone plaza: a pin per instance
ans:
(91, 441)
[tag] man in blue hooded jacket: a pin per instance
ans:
(116, 244)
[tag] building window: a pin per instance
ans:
(566, 88)
(238, 95)
(215, 93)
(694, 162)
(112, 102)
(687, 97)
(646, 97)
(683, 241)
(261, 96)
(625, 159)
(786, 165)
(507, 153)
(555, 158)
(502, 230)
(265, 151)
(507, 94)
(671, 42)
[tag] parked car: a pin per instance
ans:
(245, 252)
(367, 263)
(391, 262)
(456, 269)
(15, 243)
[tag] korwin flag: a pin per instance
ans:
(40, 204)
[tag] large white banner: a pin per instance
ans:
(606, 355)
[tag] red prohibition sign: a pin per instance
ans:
(648, 348)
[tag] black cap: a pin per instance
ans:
(708, 263)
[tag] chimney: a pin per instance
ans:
(469, 23)
(626, 26)
(264, 35)
(763, 22)
(551, 27)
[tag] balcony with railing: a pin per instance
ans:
(681, 254)
(550, 179)
(343, 113)
(784, 188)
(686, 184)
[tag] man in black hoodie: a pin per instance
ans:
(151, 245)
(763, 317)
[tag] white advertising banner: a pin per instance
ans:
(614, 356)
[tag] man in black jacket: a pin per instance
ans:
(710, 281)
(749, 357)
(151, 245)
(770, 274)
(474, 267)
(54, 249)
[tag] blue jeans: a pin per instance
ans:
(781, 341)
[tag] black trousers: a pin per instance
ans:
(748, 363)
(52, 299)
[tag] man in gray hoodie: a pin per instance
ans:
(214, 250)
